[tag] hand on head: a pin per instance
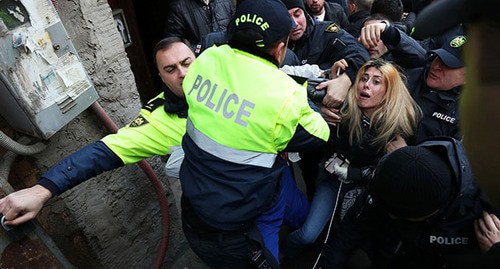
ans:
(370, 34)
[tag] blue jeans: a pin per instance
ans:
(322, 206)
(291, 208)
(230, 250)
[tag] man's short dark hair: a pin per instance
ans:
(363, 4)
(167, 43)
(392, 8)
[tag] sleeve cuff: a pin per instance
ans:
(351, 73)
(391, 36)
(494, 249)
(49, 185)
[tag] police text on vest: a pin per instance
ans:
(444, 117)
(223, 102)
(440, 240)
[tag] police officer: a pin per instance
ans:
(243, 112)
(323, 43)
(155, 131)
(436, 88)
(419, 211)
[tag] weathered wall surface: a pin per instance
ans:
(114, 220)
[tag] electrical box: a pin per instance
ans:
(43, 84)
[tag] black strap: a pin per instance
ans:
(152, 105)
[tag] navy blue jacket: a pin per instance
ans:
(86, 163)
(440, 108)
(324, 43)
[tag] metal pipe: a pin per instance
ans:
(21, 149)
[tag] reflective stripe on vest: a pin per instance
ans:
(229, 154)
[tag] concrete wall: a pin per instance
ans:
(113, 220)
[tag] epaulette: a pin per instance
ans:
(332, 28)
(154, 104)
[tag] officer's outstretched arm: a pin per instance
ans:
(93, 159)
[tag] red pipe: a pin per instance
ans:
(148, 170)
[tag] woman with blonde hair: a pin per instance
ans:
(377, 111)
(382, 99)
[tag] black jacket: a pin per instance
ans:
(356, 21)
(324, 43)
(443, 239)
(335, 12)
(403, 49)
(192, 19)
(363, 156)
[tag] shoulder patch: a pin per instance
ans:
(138, 121)
(332, 28)
(152, 105)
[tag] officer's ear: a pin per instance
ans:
(279, 51)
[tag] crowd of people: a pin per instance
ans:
(381, 152)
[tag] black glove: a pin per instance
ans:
(312, 93)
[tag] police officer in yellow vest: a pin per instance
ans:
(155, 131)
(243, 112)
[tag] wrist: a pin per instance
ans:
(346, 80)
(42, 192)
